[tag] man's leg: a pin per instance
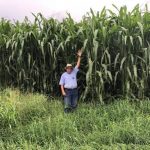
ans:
(74, 99)
(67, 102)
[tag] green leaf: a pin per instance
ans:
(122, 62)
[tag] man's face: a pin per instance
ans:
(69, 69)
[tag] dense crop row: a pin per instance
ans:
(116, 57)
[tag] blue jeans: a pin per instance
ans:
(70, 100)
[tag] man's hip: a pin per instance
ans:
(73, 91)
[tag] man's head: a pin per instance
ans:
(69, 68)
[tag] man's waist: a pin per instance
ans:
(71, 88)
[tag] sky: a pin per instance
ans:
(18, 9)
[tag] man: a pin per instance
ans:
(68, 83)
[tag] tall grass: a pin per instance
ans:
(32, 121)
(116, 58)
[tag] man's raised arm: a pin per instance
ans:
(79, 58)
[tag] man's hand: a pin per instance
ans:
(79, 53)
(63, 91)
(64, 94)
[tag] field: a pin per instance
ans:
(115, 60)
(113, 81)
(34, 121)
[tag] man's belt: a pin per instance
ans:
(70, 89)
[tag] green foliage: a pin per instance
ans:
(39, 123)
(116, 58)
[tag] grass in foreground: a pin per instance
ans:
(31, 121)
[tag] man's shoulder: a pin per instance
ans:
(75, 69)
(64, 74)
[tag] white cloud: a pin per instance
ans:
(17, 9)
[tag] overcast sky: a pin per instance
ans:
(18, 9)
